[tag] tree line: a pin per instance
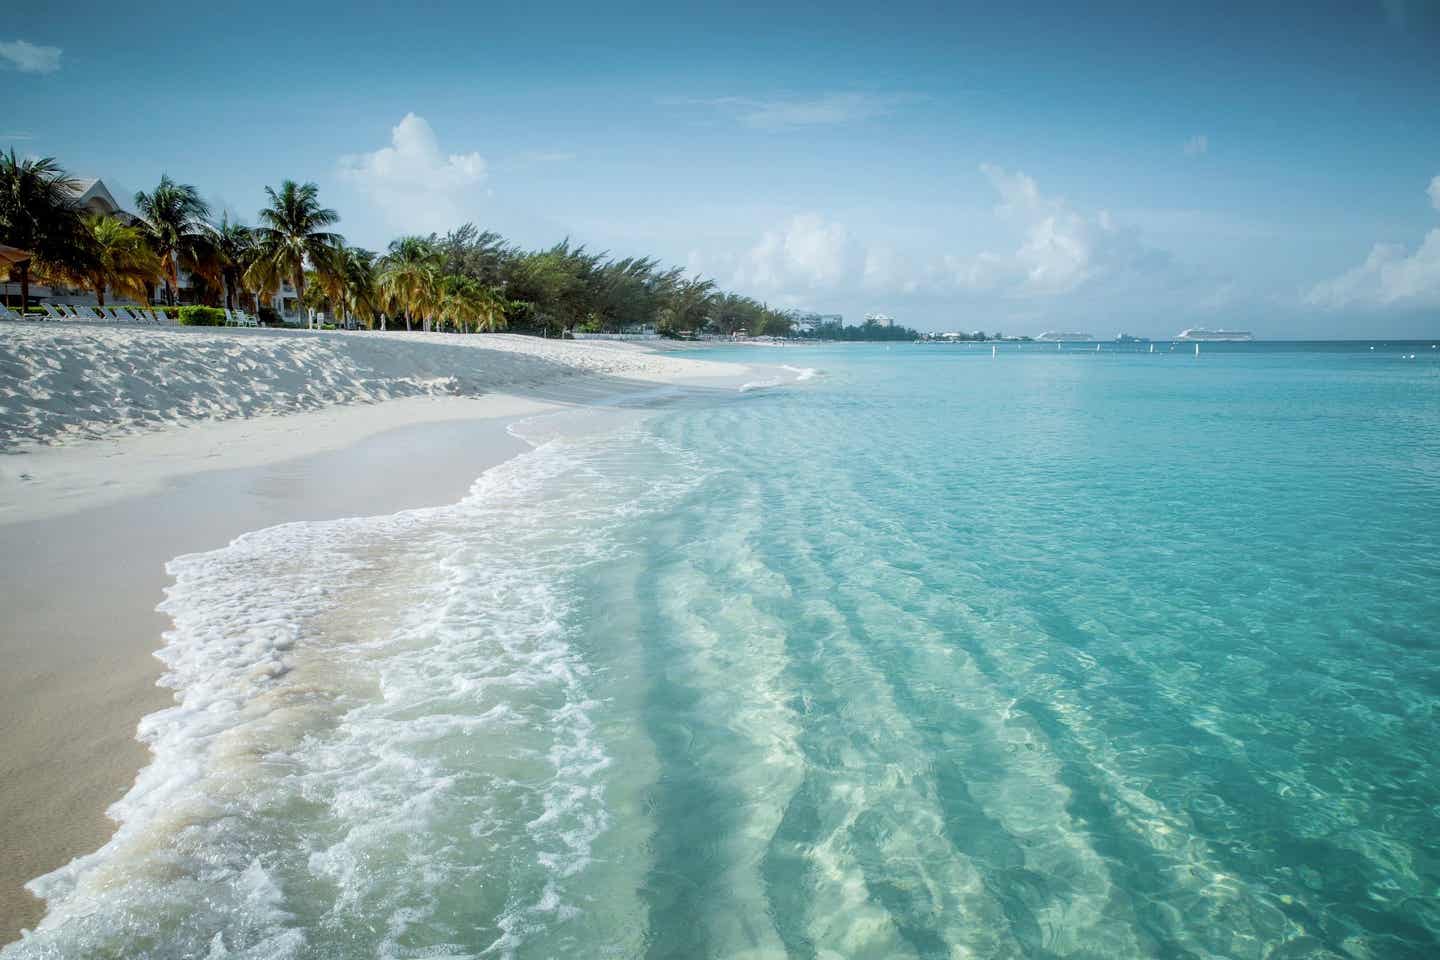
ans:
(465, 280)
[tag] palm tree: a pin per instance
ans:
(176, 222)
(292, 231)
(121, 260)
(38, 214)
(409, 277)
(235, 243)
(361, 297)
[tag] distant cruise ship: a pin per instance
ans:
(1200, 333)
(1053, 335)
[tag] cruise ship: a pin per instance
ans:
(1053, 336)
(1201, 333)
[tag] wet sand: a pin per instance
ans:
(79, 591)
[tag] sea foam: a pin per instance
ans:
(384, 736)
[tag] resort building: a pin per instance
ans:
(880, 319)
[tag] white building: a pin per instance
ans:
(880, 318)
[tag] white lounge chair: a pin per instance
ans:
(141, 316)
(114, 315)
(51, 313)
(245, 320)
(6, 314)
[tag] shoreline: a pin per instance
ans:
(81, 675)
(89, 526)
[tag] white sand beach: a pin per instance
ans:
(125, 448)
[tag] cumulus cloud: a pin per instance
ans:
(1390, 276)
(807, 252)
(1197, 145)
(1054, 250)
(1060, 249)
(416, 185)
(29, 57)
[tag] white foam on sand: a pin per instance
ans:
(384, 737)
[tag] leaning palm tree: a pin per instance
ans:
(176, 223)
(409, 278)
(235, 243)
(38, 214)
(121, 260)
(292, 231)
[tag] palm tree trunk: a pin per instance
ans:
(24, 286)
(100, 294)
(407, 321)
(172, 282)
(300, 287)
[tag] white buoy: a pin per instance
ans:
(994, 351)
(1197, 349)
(1152, 348)
(1097, 348)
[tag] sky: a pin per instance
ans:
(1014, 168)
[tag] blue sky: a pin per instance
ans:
(956, 166)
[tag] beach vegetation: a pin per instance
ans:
(176, 223)
(236, 246)
(201, 316)
(38, 215)
(293, 230)
(467, 280)
(408, 279)
(120, 260)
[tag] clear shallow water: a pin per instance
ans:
(929, 655)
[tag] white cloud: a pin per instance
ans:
(1056, 251)
(1389, 276)
(30, 58)
(831, 109)
(415, 185)
(1060, 249)
(807, 252)
(1197, 145)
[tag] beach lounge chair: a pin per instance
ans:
(87, 313)
(245, 320)
(52, 313)
(114, 315)
(142, 316)
(7, 314)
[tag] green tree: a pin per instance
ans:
(121, 260)
(467, 303)
(176, 224)
(408, 277)
(235, 244)
(292, 231)
(38, 214)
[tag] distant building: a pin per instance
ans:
(880, 319)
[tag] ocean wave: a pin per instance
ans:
(384, 734)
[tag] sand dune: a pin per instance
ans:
(81, 381)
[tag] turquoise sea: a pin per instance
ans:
(911, 651)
